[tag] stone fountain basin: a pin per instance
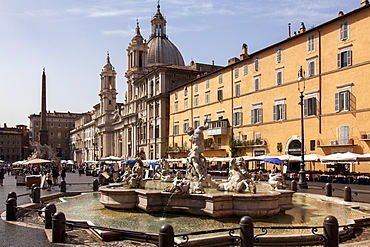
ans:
(257, 206)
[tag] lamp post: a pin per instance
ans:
(302, 183)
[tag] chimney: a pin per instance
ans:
(302, 29)
(340, 13)
(244, 54)
(5, 127)
(289, 31)
(364, 3)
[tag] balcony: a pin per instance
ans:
(218, 127)
(334, 143)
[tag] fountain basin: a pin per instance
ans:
(257, 206)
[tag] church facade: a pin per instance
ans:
(138, 127)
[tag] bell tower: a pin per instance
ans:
(108, 90)
(137, 54)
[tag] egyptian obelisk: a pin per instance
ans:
(43, 130)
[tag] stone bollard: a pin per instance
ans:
(347, 194)
(331, 232)
(50, 210)
(246, 231)
(36, 194)
(166, 236)
(63, 186)
(58, 227)
(96, 185)
(11, 209)
(328, 189)
(293, 186)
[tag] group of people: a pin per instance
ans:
(52, 176)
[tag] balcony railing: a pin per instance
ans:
(218, 127)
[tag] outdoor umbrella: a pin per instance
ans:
(131, 160)
(275, 161)
(37, 161)
(153, 163)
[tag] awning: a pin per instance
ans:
(340, 158)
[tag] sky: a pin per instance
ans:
(70, 39)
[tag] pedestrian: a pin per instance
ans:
(49, 181)
(55, 175)
(80, 169)
(2, 176)
(63, 174)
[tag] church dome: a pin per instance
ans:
(163, 51)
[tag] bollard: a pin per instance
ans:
(36, 195)
(331, 232)
(166, 236)
(58, 228)
(328, 189)
(293, 185)
(347, 194)
(246, 231)
(63, 186)
(50, 210)
(12, 195)
(96, 185)
(11, 209)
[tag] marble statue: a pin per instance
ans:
(133, 177)
(239, 179)
(276, 180)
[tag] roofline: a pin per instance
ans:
(280, 42)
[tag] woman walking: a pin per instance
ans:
(63, 174)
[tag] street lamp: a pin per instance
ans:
(302, 183)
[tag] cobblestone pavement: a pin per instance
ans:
(18, 235)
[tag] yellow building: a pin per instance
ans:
(252, 104)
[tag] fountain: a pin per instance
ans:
(188, 194)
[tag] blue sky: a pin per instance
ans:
(70, 38)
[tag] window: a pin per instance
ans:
(220, 94)
(237, 116)
(219, 142)
(196, 87)
(279, 77)
(207, 83)
(220, 78)
(344, 31)
(207, 118)
(256, 64)
(312, 145)
(176, 106)
(196, 100)
(256, 114)
(310, 106)
(186, 126)
(207, 98)
(220, 115)
(311, 43)
(343, 101)
(185, 91)
(245, 67)
(196, 122)
(279, 111)
(176, 95)
(343, 134)
(311, 64)
(237, 89)
(256, 83)
(185, 104)
(236, 71)
(344, 58)
(176, 129)
(279, 55)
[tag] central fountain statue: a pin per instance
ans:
(196, 177)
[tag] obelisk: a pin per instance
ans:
(43, 131)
